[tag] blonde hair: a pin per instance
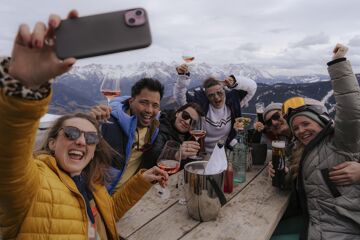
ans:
(97, 171)
(296, 155)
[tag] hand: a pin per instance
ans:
(189, 148)
(229, 81)
(156, 175)
(33, 59)
(271, 170)
(259, 126)
(182, 69)
(346, 173)
(339, 51)
(101, 112)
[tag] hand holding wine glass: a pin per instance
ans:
(198, 132)
(169, 161)
(110, 88)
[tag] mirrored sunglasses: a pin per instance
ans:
(73, 133)
(219, 93)
(275, 117)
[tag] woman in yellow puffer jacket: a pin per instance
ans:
(59, 193)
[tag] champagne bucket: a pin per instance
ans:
(204, 195)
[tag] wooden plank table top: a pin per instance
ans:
(252, 212)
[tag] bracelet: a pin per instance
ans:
(15, 88)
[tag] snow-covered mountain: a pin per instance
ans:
(165, 72)
(80, 88)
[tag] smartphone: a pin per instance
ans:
(101, 34)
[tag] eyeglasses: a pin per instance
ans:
(186, 116)
(73, 133)
(219, 93)
(275, 117)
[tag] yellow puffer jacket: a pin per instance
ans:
(37, 199)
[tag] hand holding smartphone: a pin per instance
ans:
(103, 34)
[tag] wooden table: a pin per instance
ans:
(253, 210)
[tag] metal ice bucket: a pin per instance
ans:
(204, 195)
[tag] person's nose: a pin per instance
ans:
(301, 130)
(81, 140)
(149, 108)
(217, 97)
(275, 122)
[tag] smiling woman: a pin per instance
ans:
(323, 146)
(59, 190)
(175, 125)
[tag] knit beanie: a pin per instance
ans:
(271, 107)
(311, 115)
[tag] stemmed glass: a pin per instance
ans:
(169, 161)
(188, 56)
(198, 132)
(110, 88)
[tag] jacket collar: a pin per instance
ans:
(120, 107)
(102, 203)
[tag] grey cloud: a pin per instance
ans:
(355, 41)
(278, 30)
(249, 47)
(317, 39)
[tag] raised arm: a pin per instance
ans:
(347, 97)
(181, 85)
(24, 96)
(242, 83)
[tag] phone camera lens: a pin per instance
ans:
(131, 20)
(138, 12)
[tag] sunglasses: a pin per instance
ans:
(275, 117)
(219, 93)
(186, 116)
(73, 133)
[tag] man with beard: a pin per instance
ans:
(132, 127)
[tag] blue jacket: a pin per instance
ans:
(120, 135)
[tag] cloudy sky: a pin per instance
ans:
(290, 37)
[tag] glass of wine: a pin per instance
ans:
(188, 56)
(198, 132)
(169, 161)
(110, 88)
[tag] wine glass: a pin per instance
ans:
(198, 132)
(169, 161)
(188, 56)
(110, 88)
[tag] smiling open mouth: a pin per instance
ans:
(76, 154)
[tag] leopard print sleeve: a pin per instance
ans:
(13, 87)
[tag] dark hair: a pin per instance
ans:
(193, 105)
(97, 171)
(210, 82)
(149, 83)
